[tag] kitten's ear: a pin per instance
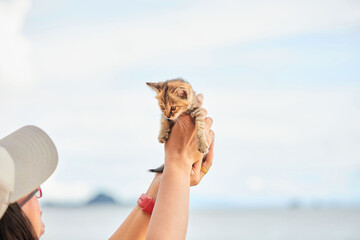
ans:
(155, 86)
(182, 92)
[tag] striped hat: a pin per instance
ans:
(27, 158)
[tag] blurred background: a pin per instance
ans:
(281, 80)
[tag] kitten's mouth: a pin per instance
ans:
(170, 118)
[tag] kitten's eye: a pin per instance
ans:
(173, 108)
(162, 108)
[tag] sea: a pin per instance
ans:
(100, 222)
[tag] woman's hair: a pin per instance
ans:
(15, 225)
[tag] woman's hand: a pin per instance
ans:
(182, 142)
(196, 174)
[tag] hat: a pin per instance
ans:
(27, 158)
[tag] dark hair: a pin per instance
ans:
(15, 225)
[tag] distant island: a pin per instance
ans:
(102, 199)
(99, 199)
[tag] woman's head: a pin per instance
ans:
(27, 158)
(22, 220)
(14, 224)
(31, 207)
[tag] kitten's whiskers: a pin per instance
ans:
(180, 123)
(186, 123)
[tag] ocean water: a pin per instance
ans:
(99, 222)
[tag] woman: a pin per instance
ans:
(28, 157)
(183, 168)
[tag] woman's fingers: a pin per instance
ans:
(203, 112)
(209, 158)
(195, 176)
(208, 123)
(209, 136)
(200, 98)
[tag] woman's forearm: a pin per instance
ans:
(171, 212)
(136, 224)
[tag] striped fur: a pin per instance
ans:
(176, 97)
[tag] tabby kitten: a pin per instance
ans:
(176, 97)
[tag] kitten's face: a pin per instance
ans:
(171, 107)
(173, 97)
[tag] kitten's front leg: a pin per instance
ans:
(165, 129)
(201, 140)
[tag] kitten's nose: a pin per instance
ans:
(167, 114)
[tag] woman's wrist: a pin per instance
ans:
(178, 162)
(171, 164)
(154, 186)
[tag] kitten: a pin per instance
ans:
(176, 97)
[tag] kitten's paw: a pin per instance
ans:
(163, 137)
(203, 147)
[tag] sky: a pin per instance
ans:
(281, 80)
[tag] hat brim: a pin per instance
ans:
(35, 159)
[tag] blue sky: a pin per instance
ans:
(280, 78)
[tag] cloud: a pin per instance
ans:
(60, 191)
(15, 66)
(107, 131)
(288, 115)
(293, 142)
(292, 133)
(255, 183)
(87, 52)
